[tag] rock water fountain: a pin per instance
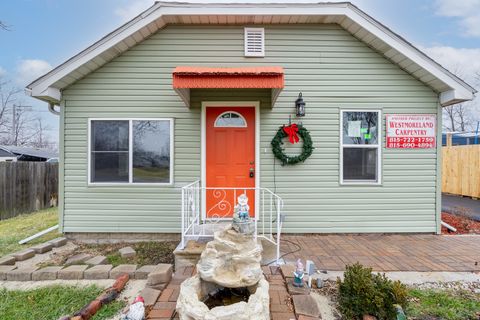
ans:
(229, 284)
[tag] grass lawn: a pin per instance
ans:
(443, 304)
(50, 303)
(18, 228)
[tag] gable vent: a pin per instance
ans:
(254, 42)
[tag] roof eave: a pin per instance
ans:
(457, 90)
(49, 95)
(453, 96)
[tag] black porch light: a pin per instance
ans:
(300, 106)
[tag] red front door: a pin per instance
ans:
(230, 159)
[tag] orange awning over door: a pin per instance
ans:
(186, 78)
(234, 78)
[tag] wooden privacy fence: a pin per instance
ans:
(27, 187)
(461, 170)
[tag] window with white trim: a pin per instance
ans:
(230, 119)
(360, 152)
(131, 151)
(254, 42)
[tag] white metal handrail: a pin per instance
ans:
(197, 224)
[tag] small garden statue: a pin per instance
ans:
(242, 207)
(298, 274)
(241, 217)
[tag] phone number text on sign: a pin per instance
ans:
(407, 131)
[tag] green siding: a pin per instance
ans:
(333, 70)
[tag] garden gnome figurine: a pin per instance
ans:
(242, 207)
(136, 310)
(241, 217)
(298, 274)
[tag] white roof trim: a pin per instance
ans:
(49, 86)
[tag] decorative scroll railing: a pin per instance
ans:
(206, 210)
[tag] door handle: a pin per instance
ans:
(252, 173)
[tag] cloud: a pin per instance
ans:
(2, 72)
(467, 11)
(30, 69)
(463, 62)
(133, 9)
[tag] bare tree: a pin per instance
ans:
(449, 113)
(25, 130)
(40, 139)
(4, 26)
(464, 117)
(19, 125)
(459, 116)
(8, 96)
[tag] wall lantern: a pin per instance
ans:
(300, 106)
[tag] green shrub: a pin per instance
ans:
(362, 292)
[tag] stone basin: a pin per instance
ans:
(190, 306)
(231, 260)
(229, 280)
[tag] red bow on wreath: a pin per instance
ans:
(291, 131)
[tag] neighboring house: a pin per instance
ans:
(462, 138)
(188, 92)
(7, 156)
(18, 153)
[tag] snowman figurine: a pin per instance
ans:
(242, 222)
(242, 208)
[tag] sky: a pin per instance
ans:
(45, 33)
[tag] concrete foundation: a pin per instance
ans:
(101, 238)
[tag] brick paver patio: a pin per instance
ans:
(280, 301)
(388, 252)
(332, 252)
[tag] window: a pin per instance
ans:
(109, 155)
(131, 151)
(360, 147)
(230, 119)
(254, 42)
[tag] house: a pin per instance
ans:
(165, 121)
(7, 156)
(21, 153)
(461, 138)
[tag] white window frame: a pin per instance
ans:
(230, 125)
(130, 153)
(245, 46)
(378, 146)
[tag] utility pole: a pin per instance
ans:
(14, 125)
(14, 122)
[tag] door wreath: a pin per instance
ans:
(294, 132)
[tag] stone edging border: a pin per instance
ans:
(25, 254)
(155, 274)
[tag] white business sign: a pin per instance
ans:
(411, 131)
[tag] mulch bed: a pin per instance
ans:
(148, 253)
(463, 225)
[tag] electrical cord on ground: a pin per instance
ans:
(298, 248)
